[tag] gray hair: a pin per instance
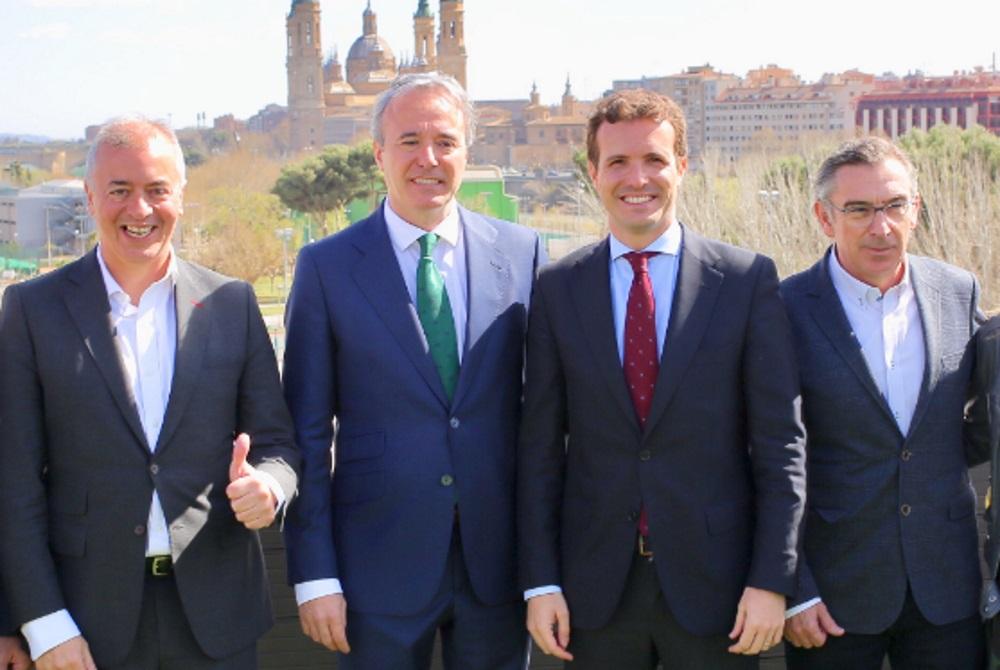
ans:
(870, 150)
(133, 131)
(409, 82)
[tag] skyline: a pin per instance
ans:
(174, 60)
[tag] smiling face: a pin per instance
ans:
(134, 195)
(873, 251)
(637, 175)
(423, 155)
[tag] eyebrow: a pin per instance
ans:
(869, 203)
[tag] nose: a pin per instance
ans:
(879, 225)
(138, 206)
(635, 175)
(427, 155)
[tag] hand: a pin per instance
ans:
(810, 627)
(760, 618)
(324, 620)
(12, 654)
(548, 623)
(73, 654)
(251, 498)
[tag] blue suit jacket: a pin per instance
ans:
(862, 548)
(404, 456)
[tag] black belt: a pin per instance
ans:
(159, 566)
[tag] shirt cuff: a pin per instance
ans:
(541, 591)
(316, 588)
(48, 632)
(272, 484)
(802, 607)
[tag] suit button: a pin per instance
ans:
(644, 455)
(154, 469)
(906, 454)
(904, 509)
(454, 423)
(139, 530)
(447, 480)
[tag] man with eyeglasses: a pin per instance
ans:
(890, 564)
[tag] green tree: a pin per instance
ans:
(240, 234)
(323, 184)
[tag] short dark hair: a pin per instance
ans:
(870, 150)
(633, 104)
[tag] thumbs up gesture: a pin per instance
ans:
(251, 498)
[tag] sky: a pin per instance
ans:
(67, 64)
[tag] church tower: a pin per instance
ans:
(424, 55)
(451, 53)
(305, 75)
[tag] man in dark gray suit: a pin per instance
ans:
(890, 564)
(129, 511)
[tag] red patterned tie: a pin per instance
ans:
(640, 361)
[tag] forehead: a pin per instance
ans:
(870, 183)
(635, 136)
(423, 108)
(152, 159)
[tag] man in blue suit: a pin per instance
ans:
(890, 566)
(405, 337)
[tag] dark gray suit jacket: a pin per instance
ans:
(720, 466)
(886, 509)
(77, 477)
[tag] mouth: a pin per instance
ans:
(636, 199)
(426, 181)
(138, 232)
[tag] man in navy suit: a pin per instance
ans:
(890, 566)
(405, 338)
(661, 456)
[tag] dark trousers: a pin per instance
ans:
(164, 640)
(642, 633)
(474, 636)
(911, 643)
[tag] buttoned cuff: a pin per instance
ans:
(48, 632)
(316, 588)
(802, 607)
(541, 591)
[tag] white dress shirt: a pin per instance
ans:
(663, 268)
(888, 328)
(449, 256)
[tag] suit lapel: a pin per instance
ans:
(591, 295)
(379, 279)
(829, 315)
(86, 301)
(697, 290)
(929, 307)
(488, 280)
(193, 310)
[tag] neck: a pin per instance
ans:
(425, 219)
(135, 279)
(638, 240)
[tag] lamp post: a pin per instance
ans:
(285, 235)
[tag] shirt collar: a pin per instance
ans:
(667, 243)
(856, 290)
(116, 294)
(404, 234)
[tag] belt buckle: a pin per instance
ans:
(160, 566)
(644, 551)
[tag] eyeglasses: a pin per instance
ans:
(863, 215)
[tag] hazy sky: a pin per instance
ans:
(65, 64)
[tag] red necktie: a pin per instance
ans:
(640, 360)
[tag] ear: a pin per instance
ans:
(917, 206)
(90, 200)
(592, 171)
(682, 165)
(823, 216)
(377, 149)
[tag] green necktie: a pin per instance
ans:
(434, 310)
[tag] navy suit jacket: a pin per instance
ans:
(404, 455)
(862, 546)
(719, 467)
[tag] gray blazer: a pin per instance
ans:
(885, 509)
(76, 474)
